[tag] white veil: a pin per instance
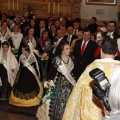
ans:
(32, 53)
(10, 64)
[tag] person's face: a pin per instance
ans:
(53, 28)
(63, 21)
(80, 35)
(60, 34)
(24, 51)
(66, 50)
(76, 26)
(32, 22)
(31, 32)
(42, 24)
(11, 22)
(98, 28)
(49, 19)
(111, 27)
(93, 21)
(5, 48)
(86, 36)
(70, 30)
(103, 25)
(50, 23)
(45, 35)
(57, 24)
(16, 28)
(4, 26)
(4, 17)
(18, 20)
(8, 20)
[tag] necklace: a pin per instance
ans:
(15, 37)
(65, 59)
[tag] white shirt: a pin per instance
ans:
(16, 39)
(41, 30)
(75, 33)
(11, 26)
(83, 43)
(58, 41)
(110, 34)
(6, 35)
(69, 38)
(118, 42)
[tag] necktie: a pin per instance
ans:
(68, 38)
(57, 42)
(83, 48)
(75, 32)
(41, 33)
(10, 27)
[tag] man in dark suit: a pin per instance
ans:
(60, 36)
(93, 26)
(11, 23)
(83, 52)
(77, 27)
(70, 37)
(42, 26)
(111, 30)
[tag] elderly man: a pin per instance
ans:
(70, 36)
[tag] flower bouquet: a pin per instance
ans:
(44, 57)
(43, 62)
(51, 90)
(15, 52)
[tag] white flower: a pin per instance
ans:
(48, 84)
(51, 83)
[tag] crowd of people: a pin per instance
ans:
(47, 63)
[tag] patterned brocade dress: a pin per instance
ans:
(54, 108)
(27, 90)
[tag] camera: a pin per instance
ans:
(101, 86)
(99, 36)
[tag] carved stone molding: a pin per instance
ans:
(68, 8)
(0, 4)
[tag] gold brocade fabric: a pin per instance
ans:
(82, 105)
(27, 103)
(73, 44)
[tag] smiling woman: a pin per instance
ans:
(104, 2)
(60, 82)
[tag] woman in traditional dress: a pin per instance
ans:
(8, 70)
(54, 103)
(5, 33)
(27, 89)
(29, 39)
(16, 39)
